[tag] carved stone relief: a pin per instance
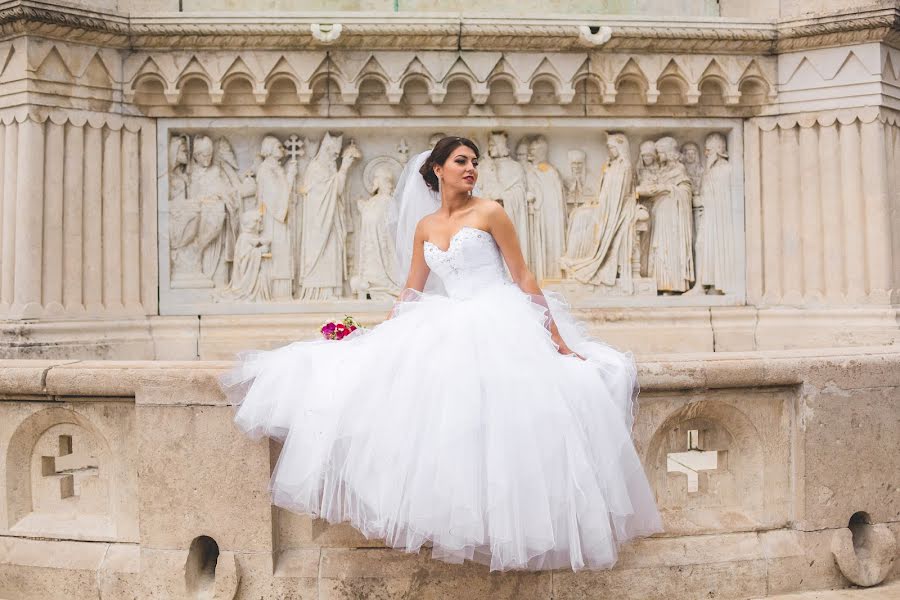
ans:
(61, 477)
(291, 217)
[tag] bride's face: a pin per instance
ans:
(460, 171)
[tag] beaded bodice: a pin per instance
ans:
(471, 262)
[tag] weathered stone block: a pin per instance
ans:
(836, 428)
(195, 459)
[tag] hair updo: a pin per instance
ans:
(439, 156)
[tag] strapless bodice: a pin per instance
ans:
(472, 262)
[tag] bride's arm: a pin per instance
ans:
(505, 234)
(418, 270)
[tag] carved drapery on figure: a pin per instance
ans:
(311, 244)
(601, 234)
(324, 226)
(250, 277)
(184, 222)
(546, 193)
(690, 154)
(647, 172)
(212, 190)
(275, 184)
(715, 239)
(671, 261)
(502, 178)
(375, 252)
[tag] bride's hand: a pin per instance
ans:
(562, 348)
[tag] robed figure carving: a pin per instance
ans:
(375, 252)
(211, 188)
(671, 261)
(184, 222)
(596, 259)
(323, 255)
(503, 179)
(548, 206)
(250, 275)
(275, 185)
(715, 239)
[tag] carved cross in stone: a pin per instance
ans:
(403, 150)
(693, 461)
(66, 465)
(295, 146)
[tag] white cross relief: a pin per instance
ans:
(67, 465)
(693, 461)
(295, 147)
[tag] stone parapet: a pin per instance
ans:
(169, 498)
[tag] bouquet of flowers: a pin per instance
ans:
(338, 330)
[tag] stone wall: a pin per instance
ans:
(99, 100)
(130, 480)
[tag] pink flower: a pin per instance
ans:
(338, 330)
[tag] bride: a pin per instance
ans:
(478, 418)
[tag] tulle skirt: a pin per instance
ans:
(457, 423)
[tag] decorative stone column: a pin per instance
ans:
(78, 218)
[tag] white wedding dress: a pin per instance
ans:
(457, 423)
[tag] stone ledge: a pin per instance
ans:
(159, 382)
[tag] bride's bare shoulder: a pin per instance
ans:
(487, 207)
(424, 225)
(488, 210)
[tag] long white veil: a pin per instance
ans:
(412, 201)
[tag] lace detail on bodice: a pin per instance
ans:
(471, 262)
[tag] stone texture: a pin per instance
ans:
(884, 592)
(32, 569)
(383, 573)
(716, 580)
(222, 484)
(302, 531)
(834, 425)
(799, 561)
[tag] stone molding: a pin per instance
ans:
(878, 22)
(348, 71)
(373, 31)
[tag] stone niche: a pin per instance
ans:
(67, 473)
(279, 215)
(719, 463)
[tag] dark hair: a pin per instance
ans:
(439, 156)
